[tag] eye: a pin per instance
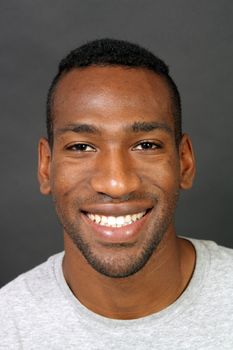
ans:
(147, 145)
(81, 147)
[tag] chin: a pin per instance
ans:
(117, 261)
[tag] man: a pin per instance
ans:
(114, 162)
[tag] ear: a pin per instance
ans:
(44, 161)
(187, 163)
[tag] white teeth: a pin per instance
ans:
(139, 216)
(120, 220)
(104, 219)
(96, 218)
(115, 221)
(111, 221)
(127, 218)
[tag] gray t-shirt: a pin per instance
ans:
(38, 311)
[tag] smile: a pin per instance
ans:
(115, 221)
(110, 228)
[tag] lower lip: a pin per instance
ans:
(124, 234)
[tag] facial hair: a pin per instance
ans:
(111, 265)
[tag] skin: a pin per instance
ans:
(119, 169)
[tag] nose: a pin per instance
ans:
(115, 176)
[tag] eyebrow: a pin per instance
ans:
(150, 126)
(79, 128)
(136, 127)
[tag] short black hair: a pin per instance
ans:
(112, 52)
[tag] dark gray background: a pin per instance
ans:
(193, 37)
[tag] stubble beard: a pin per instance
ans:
(126, 265)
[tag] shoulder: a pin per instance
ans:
(216, 252)
(216, 263)
(221, 264)
(31, 284)
(26, 301)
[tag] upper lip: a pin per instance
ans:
(120, 209)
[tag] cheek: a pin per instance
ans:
(162, 173)
(66, 178)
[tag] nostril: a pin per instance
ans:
(115, 188)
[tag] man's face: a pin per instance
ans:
(115, 171)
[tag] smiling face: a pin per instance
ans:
(115, 170)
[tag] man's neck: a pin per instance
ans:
(158, 284)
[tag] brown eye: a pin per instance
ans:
(81, 147)
(146, 145)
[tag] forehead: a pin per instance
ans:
(111, 94)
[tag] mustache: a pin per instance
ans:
(103, 198)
